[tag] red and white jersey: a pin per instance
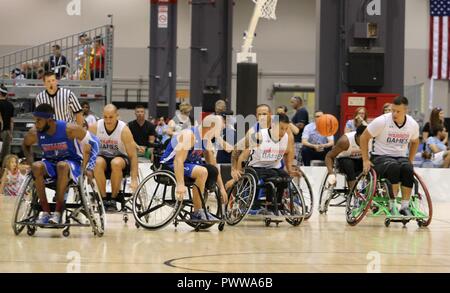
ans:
(390, 139)
(111, 144)
(269, 153)
(353, 151)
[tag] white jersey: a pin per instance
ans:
(269, 153)
(390, 139)
(111, 144)
(353, 151)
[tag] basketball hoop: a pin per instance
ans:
(263, 9)
(267, 8)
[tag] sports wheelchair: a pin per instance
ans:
(155, 204)
(250, 191)
(85, 210)
(372, 193)
(333, 196)
(125, 196)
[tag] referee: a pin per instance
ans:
(66, 104)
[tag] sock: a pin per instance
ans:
(405, 204)
(391, 203)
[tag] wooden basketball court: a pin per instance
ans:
(325, 243)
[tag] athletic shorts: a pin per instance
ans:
(50, 166)
(126, 171)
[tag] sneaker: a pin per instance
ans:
(55, 219)
(106, 204)
(201, 215)
(265, 212)
(394, 211)
(43, 219)
(113, 206)
(406, 212)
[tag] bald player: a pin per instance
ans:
(117, 155)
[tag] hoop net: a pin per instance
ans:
(267, 8)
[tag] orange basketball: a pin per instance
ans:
(327, 125)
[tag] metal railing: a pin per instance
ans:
(83, 61)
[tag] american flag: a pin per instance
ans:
(439, 67)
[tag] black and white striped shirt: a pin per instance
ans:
(64, 102)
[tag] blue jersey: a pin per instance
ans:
(195, 153)
(59, 147)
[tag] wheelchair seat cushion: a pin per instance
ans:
(276, 176)
(277, 180)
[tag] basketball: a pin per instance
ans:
(327, 125)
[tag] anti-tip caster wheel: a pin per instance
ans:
(137, 225)
(31, 231)
(66, 233)
(221, 226)
(387, 222)
(267, 222)
(125, 218)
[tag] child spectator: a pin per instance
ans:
(13, 176)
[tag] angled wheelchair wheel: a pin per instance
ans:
(307, 193)
(325, 195)
(360, 197)
(213, 206)
(154, 202)
(380, 201)
(294, 205)
(93, 205)
(240, 199)
(24, 208)
(420, 203)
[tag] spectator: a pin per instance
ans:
(315, 146)
(283, 110)
(66, 104)
(87, 114)
(300, 120)
(359, 118)
(387, 108)
(436, 121)
(80, 54)
(98, 59)
(181, 120)
(438, 150)
(7, 125)
(220, 107)
(161, 129)
(58, 62)
(228, 139)
(40, 73)
(17, 75)
(13, 176)
(143, 131)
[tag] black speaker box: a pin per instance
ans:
(209, 100)
(366, 69)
